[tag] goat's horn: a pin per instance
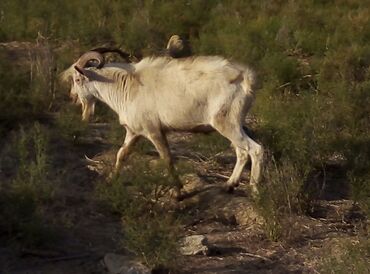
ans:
(89, 56)
(92, 161)
(123, 54)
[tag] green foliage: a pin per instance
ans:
(26, 91)
(139, 195)
(33, 165)
(22, 197)
(69, 124)
(352, 258)
(280, 197)
(208, 144)
(153, 236)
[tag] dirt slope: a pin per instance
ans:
(86, 231)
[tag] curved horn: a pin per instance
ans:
(123, 54)
(89, 56)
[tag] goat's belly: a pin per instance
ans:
(195, 129)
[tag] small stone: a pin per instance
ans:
(120, 264)
(194, 245)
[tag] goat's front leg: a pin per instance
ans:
(124, 151)
(159, 140)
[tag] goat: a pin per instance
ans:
(162, 94)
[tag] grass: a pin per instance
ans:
(24, 195)
(69, 124)
(208, 144)
(348, 257)
(141, 196)
(280, 197)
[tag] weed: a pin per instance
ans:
(208, 144)
(70, 125)
(280, 197)
(348, 257)
(33, 166)
(150, 230)
(22, 197)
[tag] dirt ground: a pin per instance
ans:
(86, 231)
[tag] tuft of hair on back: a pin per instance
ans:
(178, 47)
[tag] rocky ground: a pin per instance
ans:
(88, 237)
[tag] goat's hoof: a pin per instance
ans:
(254, 194)
(180, 197)
(176, 195)
(229, 188)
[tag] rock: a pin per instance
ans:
(245, 213)
(120, 264)
(191, 182)
(194, 245)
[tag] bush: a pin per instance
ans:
(26, 84)
(348, 257)
(22, 196)
(139, 195)
(280, 197)
(69, 124)
(208, 144)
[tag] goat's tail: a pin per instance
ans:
(245, 77)
(249, 81)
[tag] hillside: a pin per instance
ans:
(62, 211)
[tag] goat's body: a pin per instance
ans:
(158, 95)
(176, 95)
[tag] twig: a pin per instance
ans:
(39, 253)
(284, 85)
(217, 175)
(187, 158)
(257, 256)
(52, 256)
(68, 257)
(201, 157)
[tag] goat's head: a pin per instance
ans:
(80, 89)
(92, 58)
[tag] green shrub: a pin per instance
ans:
(33, 164)
(280, 197)
(208, 144)
(139, 195)
(22, 197)
(69, 124)
(26, 85)
(348, 257)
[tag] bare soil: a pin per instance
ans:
(85, 231)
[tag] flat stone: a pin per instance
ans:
(120, 264)
(194, 245)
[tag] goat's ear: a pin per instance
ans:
(80, 70)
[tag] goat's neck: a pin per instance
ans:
(109, 94)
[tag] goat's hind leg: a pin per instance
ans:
(244, 146)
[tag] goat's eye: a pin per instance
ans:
(78, 80)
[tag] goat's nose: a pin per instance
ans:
(74, 98)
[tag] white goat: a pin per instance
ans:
(161, 94)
